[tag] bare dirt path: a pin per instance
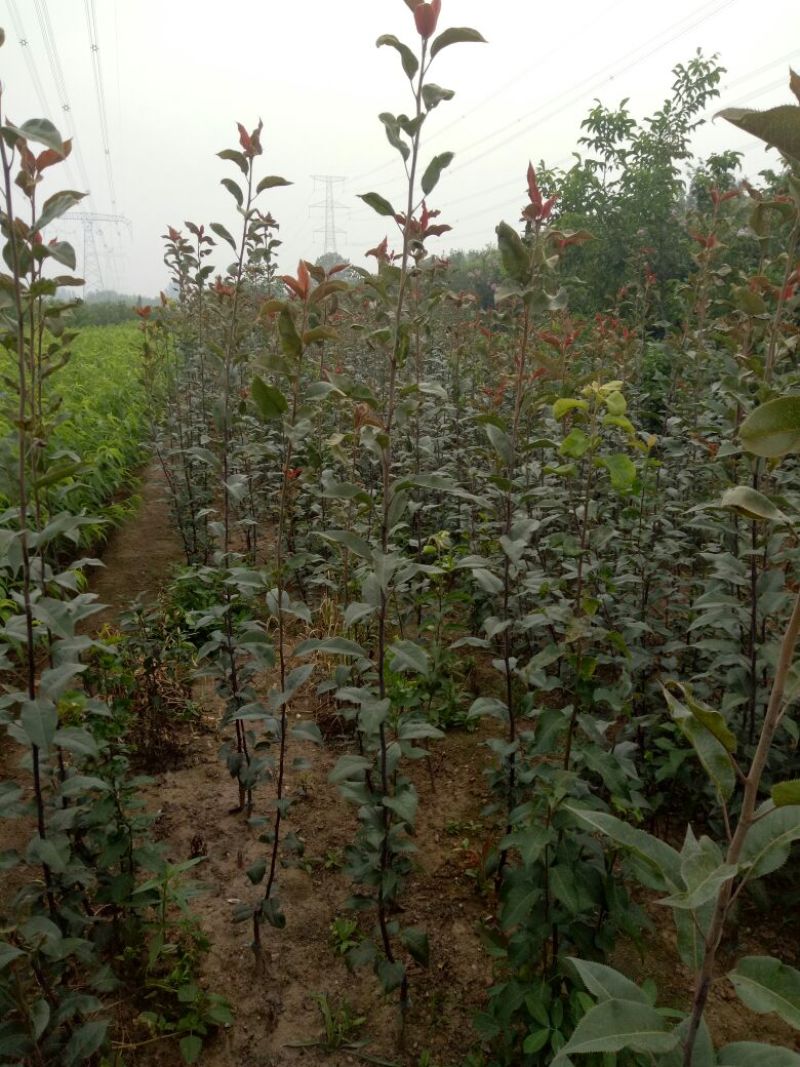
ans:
(140, 555)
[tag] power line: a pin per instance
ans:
(48, 37)
(91, 22)
(24, 44)
(578, 92)
(33, 70)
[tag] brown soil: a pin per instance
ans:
(276, 1008)
(139, 555)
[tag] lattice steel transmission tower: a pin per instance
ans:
(90, 221)
(330, 205)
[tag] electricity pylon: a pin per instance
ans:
(329, 205)
(90, 220)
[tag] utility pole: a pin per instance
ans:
(329, 204)
(90, 221)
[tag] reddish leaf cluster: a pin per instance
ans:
(420, 229)
(219, 288)
(609, 327)
(561, 342)
(718, 198)
(31, 166)
(792, 284)
(564, 240)
(251, 142)
(539, 209)
(381, 252)
(301, 285)
(706, 241)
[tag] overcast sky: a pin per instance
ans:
(176, 76)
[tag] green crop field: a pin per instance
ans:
(101, 422)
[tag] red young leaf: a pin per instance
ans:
(244, 140)
(50, 157)
(426, 17)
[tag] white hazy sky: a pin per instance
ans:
(178, 74)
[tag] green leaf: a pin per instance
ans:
(220, 231)
(307, 731)
(43, 132)
(191, 1047)
(704, 874)
(331, 646)
(566, 404)
(377, 203)
(256, 872)
(660, 858)
(40, 850)
(290, 339)
(54, 680)
(393, 135)
(703, 1054)
(40, 1017)
(615, 403)
(711, 752)
(350, 541)
(407, 57)
(778, 126)
(404, 804)
(85, 1041)
(390, 975)
(8, 953)
(712, 719)
(488, 706)
(536, 1041)
(357, 611)
(270, 402)
(455, 35)
(773, 429)
(233, 189)
(56, 205)
(756, 1054)
(39, 720)
(786, 793)
(500, 442)
(62, 252)
(766, 986)
(434, 170)
(614, 1025)
(349, 767)
(516, 258)
(569, 889)
(607, 984)
(235, 157)
(320, 333)
(767, 845)
(575, 443)
(433, 95)
(409, 656)
(751, 504)
(272, 181)
(621, 469)
(416, 941)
